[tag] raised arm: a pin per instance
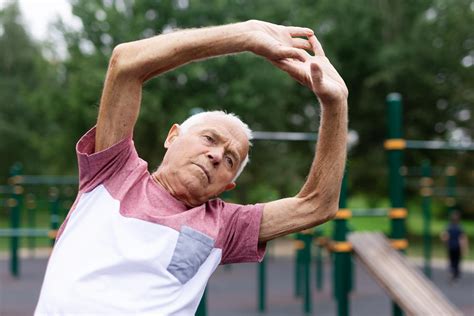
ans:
(318, 199)
(134, 63)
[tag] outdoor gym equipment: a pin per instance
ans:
(20, 200)
(404, 283)
(395, 145)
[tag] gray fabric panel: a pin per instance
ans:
(192, 249)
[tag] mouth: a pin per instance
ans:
(205, 172)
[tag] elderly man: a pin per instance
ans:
(141, 243)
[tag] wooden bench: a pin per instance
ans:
(405, 284)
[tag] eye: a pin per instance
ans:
(208, 139)
(229, 161)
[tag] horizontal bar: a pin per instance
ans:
(5, 189)
(24, 232)
(417, 172)
(289, 136)
(51, 180)
(370, 212)
(438, 144)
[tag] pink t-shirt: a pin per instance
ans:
(128, 247)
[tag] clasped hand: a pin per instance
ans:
(287, 48)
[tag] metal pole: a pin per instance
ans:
(54, 212)
(202, 307)
(342, 254)
(31, 207)
(299, 246)
(307, 239)
(262, 286)
(426, 193)
(395, 145)
(319, 260)
(14, 204)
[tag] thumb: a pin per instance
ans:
(316, 74)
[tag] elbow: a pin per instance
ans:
(332, 210)
(322, 208)
(121, 60)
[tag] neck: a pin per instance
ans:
(161, 180)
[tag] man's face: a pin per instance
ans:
(201, 163)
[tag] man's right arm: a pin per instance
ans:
(134, 63)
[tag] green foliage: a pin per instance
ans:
(414, 47)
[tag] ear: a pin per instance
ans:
(230, 186)
(172, 134)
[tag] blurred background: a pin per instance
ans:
(53, 60)
(54, 56)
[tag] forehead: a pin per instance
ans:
(228, 130)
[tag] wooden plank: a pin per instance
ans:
(409, 284)
(415, 283)
(410, 289)
(389, 275)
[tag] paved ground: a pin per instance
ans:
(233, 291)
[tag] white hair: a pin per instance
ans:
(201, 117)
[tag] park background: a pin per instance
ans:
(50, 91)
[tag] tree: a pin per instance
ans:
(422, 49)
(26, 94)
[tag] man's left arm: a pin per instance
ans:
(318, 199)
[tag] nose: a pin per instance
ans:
(215, 156)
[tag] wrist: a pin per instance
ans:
(336, 105)
(247, 29)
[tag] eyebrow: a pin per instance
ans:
(231, 151)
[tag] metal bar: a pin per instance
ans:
(32, 180)
(370, 212)
(426, 192)
(202, 307)
(395, 159)
(5, 189)
(341, 260)
(307, 303)
(438, 145)
(24, 232)
(288, 136)
(416, 171)
(262, 296)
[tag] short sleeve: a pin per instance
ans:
(97, 167)
(240, 232)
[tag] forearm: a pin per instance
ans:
(147, 58)
(322, 187)
(133, 63)
(317, 201)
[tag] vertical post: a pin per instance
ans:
(395, 145)
(202, 307)
(342, 254)
(426, 193)
(450, 188)
(306, 264)
(54, 213)
(262, 282)
(30, 208)
(319, 259)
(299, 246)
(14, 204)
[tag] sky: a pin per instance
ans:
(38, 14)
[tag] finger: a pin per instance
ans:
(291, 52)
(316, 45)
(299, 31)
(316, 74)
(302, 43)
(291, 69)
